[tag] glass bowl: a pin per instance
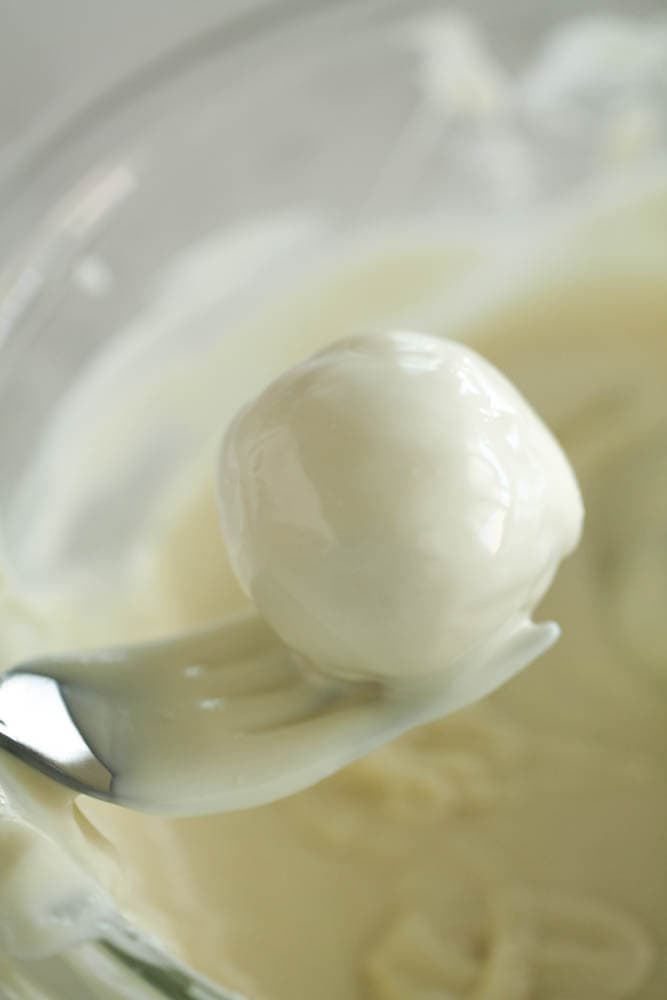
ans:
(290, 131)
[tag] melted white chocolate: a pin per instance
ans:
(515, 850)
(393, 502)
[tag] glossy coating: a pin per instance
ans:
(392, 502)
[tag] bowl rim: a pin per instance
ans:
(255, 20)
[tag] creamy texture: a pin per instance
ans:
(396, 510)
(516, 849)
(392, 503)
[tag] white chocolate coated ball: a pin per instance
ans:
(393, 501)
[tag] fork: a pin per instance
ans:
(223, 718)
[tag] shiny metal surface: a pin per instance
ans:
(36, 726)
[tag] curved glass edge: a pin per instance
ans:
(151, 965)
(254, 20)
(121, 964)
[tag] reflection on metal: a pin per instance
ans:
(36, 726)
